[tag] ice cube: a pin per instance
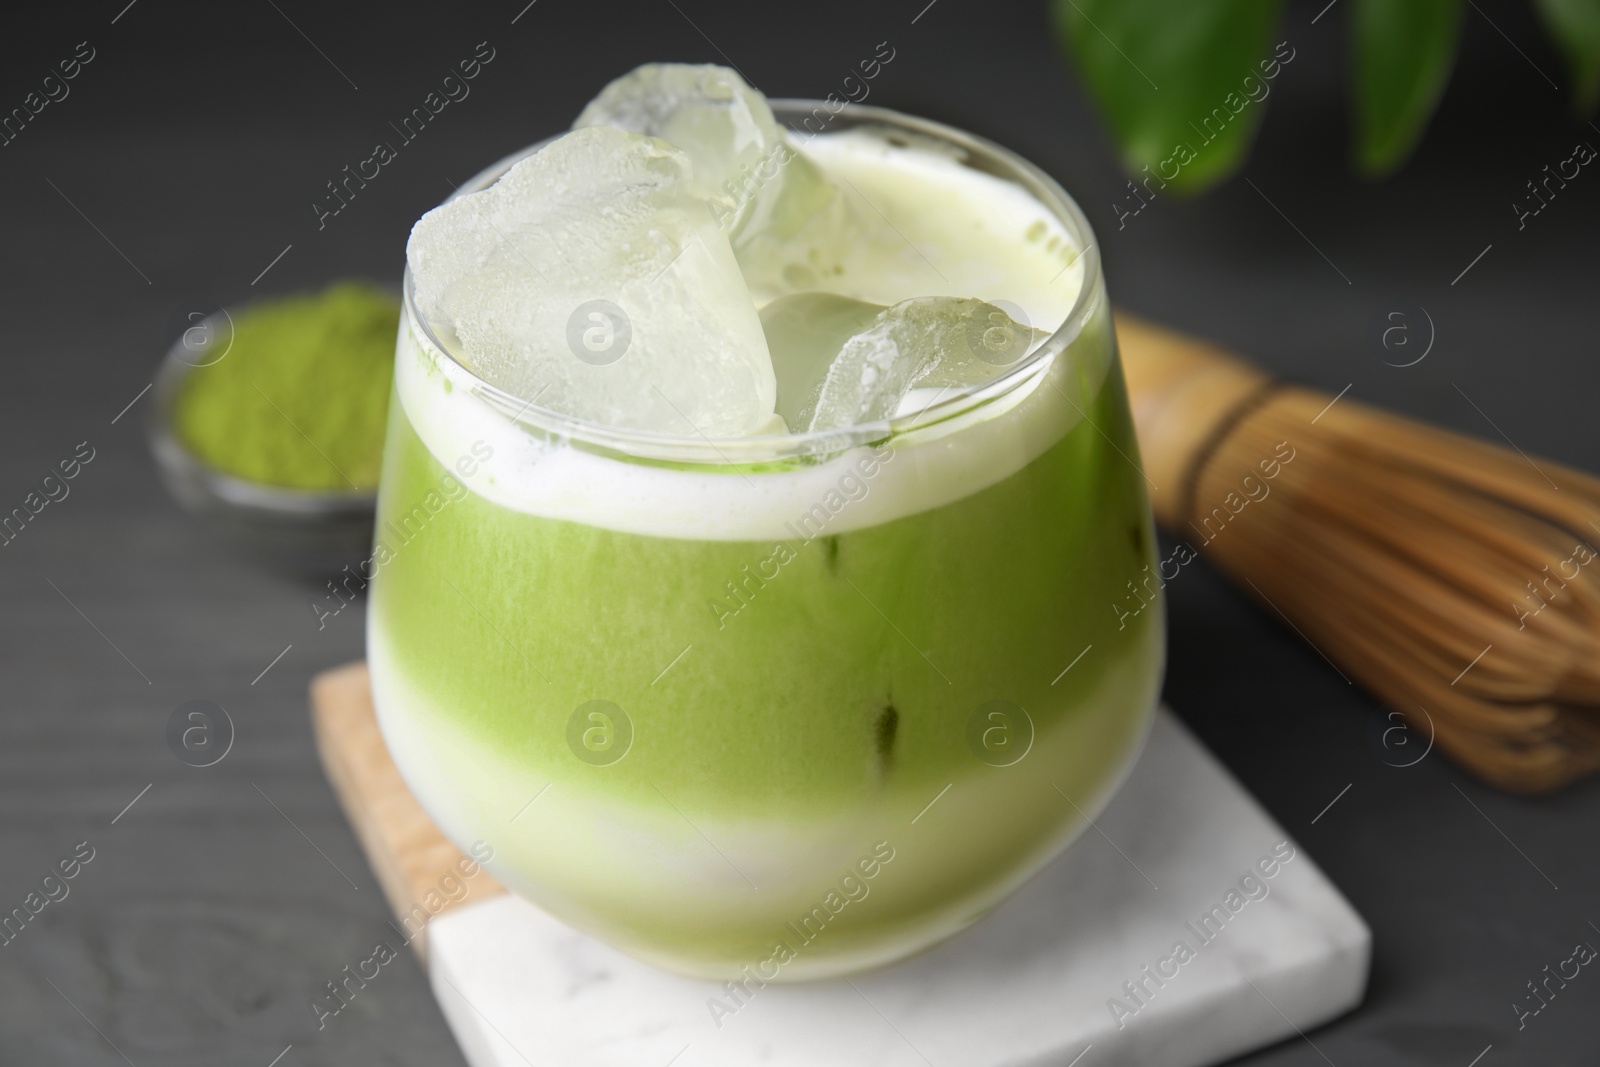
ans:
(787, 222)
(841, 362)
(804, 334)
(592, 276)
(709, 112)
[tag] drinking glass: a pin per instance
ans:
(786, 705)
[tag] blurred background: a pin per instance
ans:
(180, 173)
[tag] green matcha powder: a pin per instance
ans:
(301, 397)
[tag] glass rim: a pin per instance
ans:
(768, 447)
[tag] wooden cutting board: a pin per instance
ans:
(1048, 977)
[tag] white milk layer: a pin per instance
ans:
(951, 231)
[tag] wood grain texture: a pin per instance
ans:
(408, 853)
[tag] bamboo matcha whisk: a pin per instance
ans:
(1455, 580)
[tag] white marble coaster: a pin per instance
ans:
(1037, 982)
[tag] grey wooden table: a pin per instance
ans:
(181, 173)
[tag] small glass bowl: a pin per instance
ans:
(305, 530)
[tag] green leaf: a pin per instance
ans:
(1402, 52)
(1176, 74)
(1575, 27)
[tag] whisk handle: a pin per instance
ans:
(1184, 394)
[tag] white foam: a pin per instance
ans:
(952, 230)
(542, 474)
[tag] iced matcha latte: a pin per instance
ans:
(758, 489)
